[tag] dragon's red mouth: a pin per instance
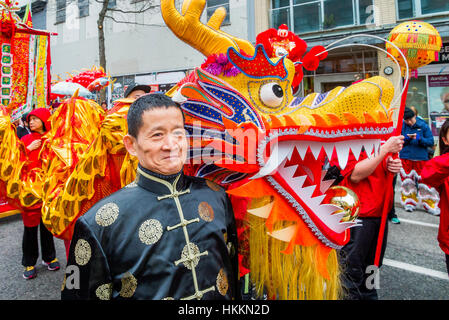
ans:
(296, 169)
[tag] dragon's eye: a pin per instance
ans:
(272, 94)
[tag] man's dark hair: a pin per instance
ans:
(133, 87)
(145, 103)
(408, 113)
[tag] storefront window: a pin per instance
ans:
(417, 96)
(213, 5)
(366, 10)
(415, 8)
(315, 15)
(405, 9)
(280, 16)
(340, 64)
(434, 6)
(306, 18)
(439, 101)
(337, 13)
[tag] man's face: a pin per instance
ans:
(136, 94)
(161, 143)
(410, 122)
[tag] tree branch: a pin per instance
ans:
(151, 5)
(136, 23)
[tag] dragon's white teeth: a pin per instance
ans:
(317, 200)
(372, 147)
(315, 147)
(302, 147)
(329, 149)
(296, 183)
(306, 193)
(309, 173)
(356, 148)
(342, 153)
(284, 150)
(325, 184)
(376, 147)
(369, 148)
(287, 173)
(278, 154)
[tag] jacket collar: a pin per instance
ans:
(158, 183)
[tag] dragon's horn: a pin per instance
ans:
(207, 39)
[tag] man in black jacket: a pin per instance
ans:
(164, 236)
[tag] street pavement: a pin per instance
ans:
(414, 266)
(47, 284)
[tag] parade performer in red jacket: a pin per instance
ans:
(367, 178)
(39, 124)
(435, 173)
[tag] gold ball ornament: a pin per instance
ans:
(347, 200)
(419, 41)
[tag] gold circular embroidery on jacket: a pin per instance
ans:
(205, 211)
(83, 252)
(190, 262)
(222, 282)
(104, 292)
(129, 285)
(213, 185)
(150, 231)
(107, 214)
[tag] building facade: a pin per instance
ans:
(140, 48)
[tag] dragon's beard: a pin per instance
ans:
(288, 276)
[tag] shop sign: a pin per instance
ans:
(439, 81)
(444, 54)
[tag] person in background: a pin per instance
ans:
(135, 91)
(367, 178)
(104, 106)
(430, 149)
(418, 138)
(39, 124)
(435, 173)
(22, 127)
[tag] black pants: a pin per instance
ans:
(356, 258)
(30, 246)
